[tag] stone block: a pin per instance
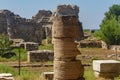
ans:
(6, 76)
(109, 66)
(40, 55)
(48, 75)
(29, 46)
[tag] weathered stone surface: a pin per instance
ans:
(106, 69)
(42, 14)
(106, 66)
(65, 10)
(27, 29)
(90, 44)
(47, 75)
(43, 17)
(29, 46)
(104, 45)
(16, 42)
(70, 13)
(40, 55)
(64, 31)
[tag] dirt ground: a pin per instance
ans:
(90, 54)
(87, 56)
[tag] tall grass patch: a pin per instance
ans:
(23, 54)
(7, 69)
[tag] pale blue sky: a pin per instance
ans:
(91, 11)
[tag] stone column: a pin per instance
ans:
(66, 67)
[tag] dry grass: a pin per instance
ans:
(88, 54)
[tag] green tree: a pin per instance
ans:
(110, 26)
(4, 44)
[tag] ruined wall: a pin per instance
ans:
(90, 44)
(42, 14)
(65, 30)
(27, 29)
(29, 46)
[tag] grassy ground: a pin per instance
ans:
(89, 74)
(31, 73)
(43, 47)
(23, 56)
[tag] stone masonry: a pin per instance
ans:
(68, 10)
(30, 30)
(29, 46)
(40, 55)
(106, 69)
(65, 30)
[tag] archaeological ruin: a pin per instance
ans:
(40, 55)
(35, 29)
(30, 30)
(65, 31)
(106, 69)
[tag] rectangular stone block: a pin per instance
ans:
(29, 46)
(6, 76)
(40, 55)
(106, 66)
(48, 75)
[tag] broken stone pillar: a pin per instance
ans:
(68, 10)
(106, 69)
(66, 67)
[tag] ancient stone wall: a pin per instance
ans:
(90, 44)
(40, 55)
(115, 48)
(65, 30)
(42, 14)
(29, 46)
(26, 29)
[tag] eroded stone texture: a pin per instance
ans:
(40, 55)
(42, 14)
(71, 10)
(30, 30)
(29, 46)
(106, 69)
(65, 30)
(47, 75)
(43, 17)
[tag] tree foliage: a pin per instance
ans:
(4, 44)
(110, 26)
